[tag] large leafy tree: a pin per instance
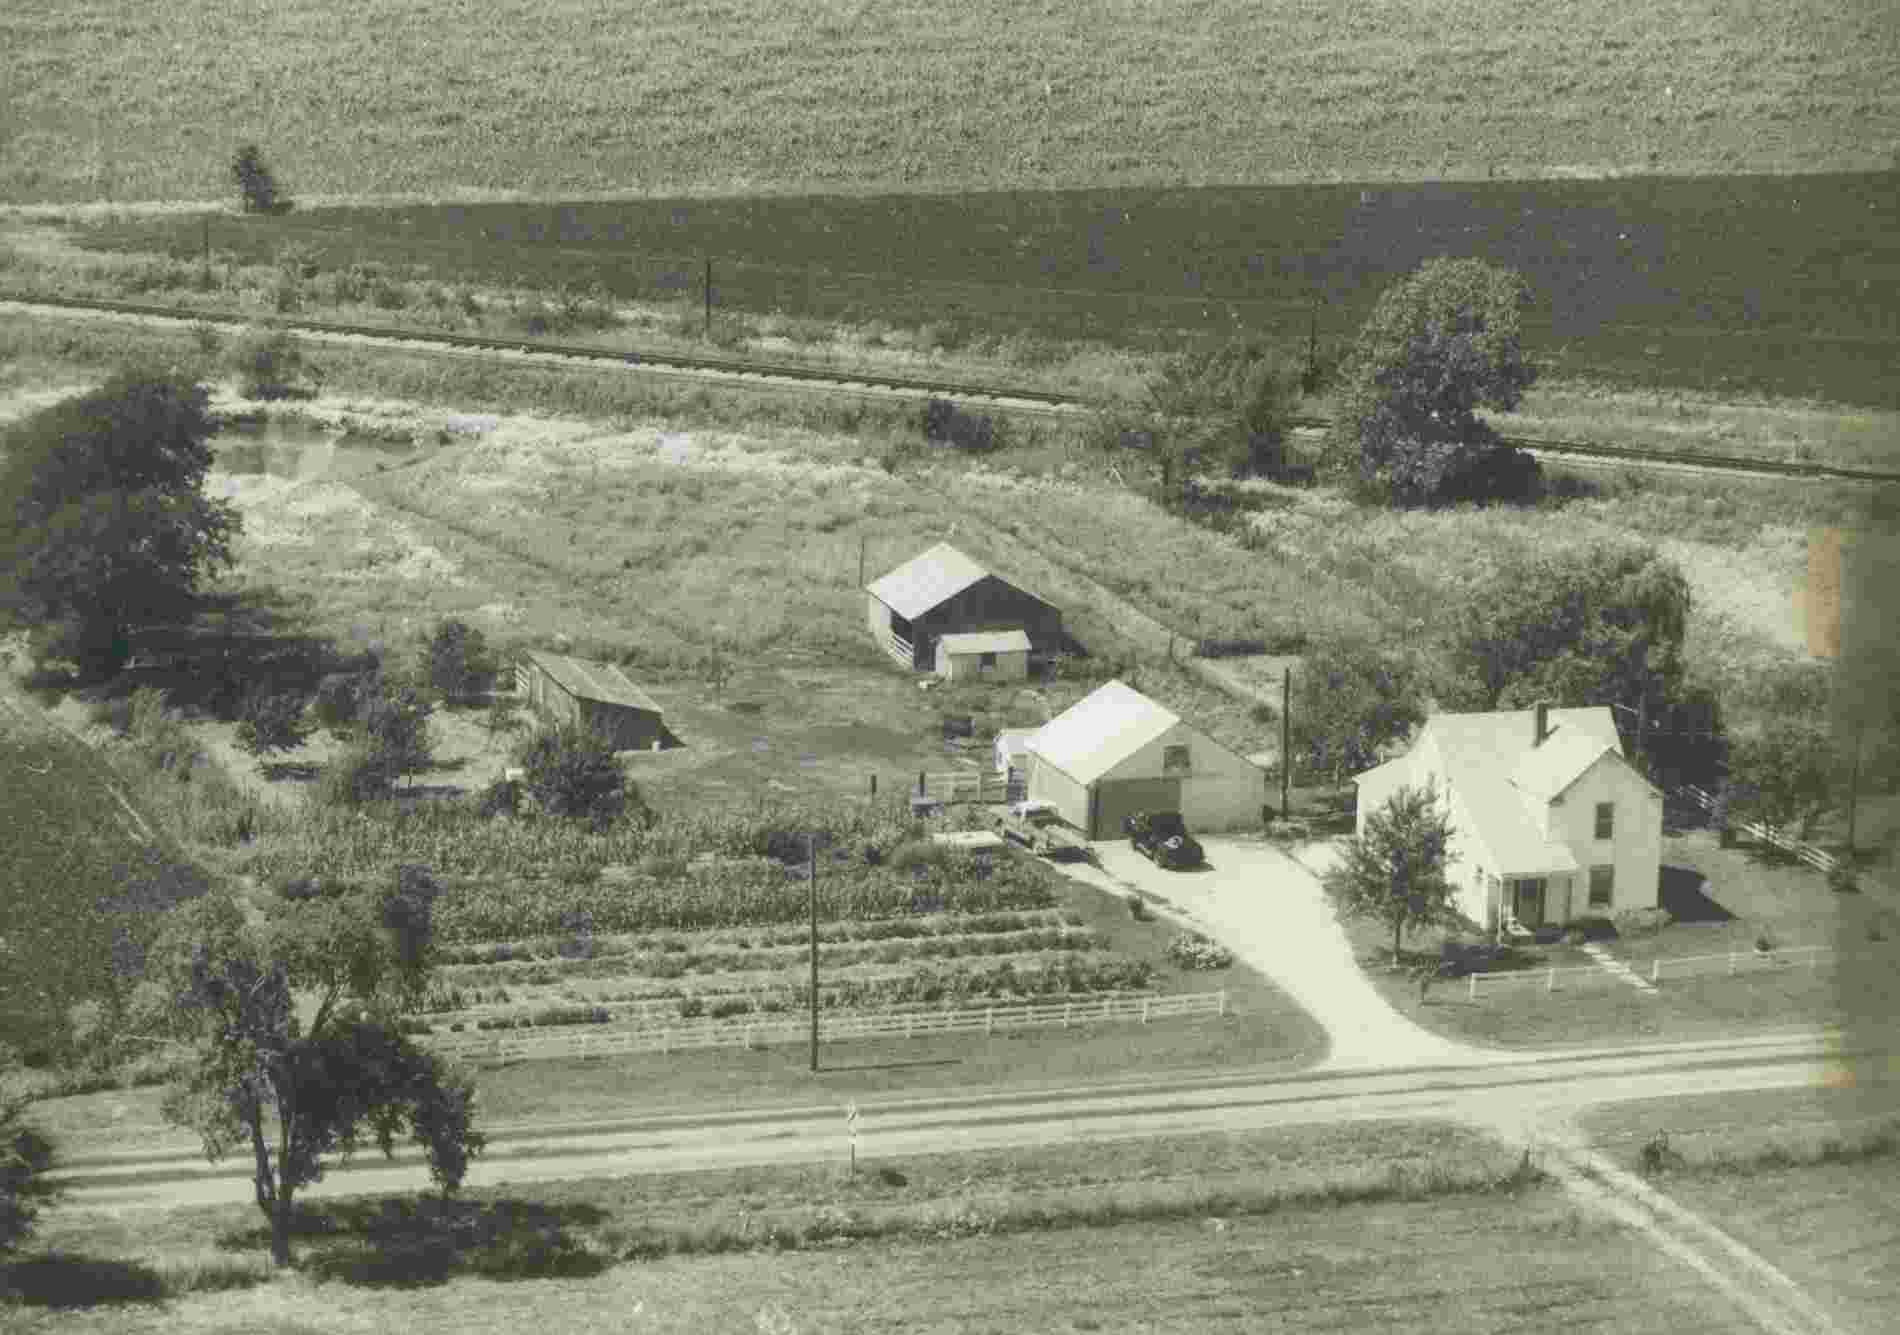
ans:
(104, 524)
(455, 660)
(293, 1038)
(1351, 701)
(1394, 872)
(1785, 774)
(1224, 407)
(572, 771)
(1601, 624)
(1440, 344)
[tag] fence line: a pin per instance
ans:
(667, 1007)
(1663, 968)
(1808, 853)
(585, 1040)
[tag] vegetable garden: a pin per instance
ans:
(543, 925)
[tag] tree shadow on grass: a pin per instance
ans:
(276, 771)
(231, 643)
(1685, 900)
(65, 1280)
(405, 1241)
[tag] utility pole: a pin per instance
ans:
(207, 249)
(1286, 741)
(709, 297)
(1853, 794)
(860, 560)
(811, 847)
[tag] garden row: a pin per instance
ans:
(1026, 978)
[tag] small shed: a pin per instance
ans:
(943, 592)
(984, 655)
(594, 695)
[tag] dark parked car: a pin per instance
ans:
(1163, 838)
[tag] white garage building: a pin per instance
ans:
(1115, 752)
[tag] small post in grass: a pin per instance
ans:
(709, 296)
(811, 847)
(1286, 740)
(851, 1127)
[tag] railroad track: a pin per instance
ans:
(755, 374)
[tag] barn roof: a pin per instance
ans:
(1099, 731)
(986, 642)
(588, 680)
(926, 581)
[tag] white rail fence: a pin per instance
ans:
(1736, 963)
(1808, 853)
(754, 1032)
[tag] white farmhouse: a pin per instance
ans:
(1549, 822)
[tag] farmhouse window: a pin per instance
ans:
(1174, 760)
(1602, 886)
(986, 660)
(1606, 819)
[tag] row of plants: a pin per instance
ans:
(456, 841)
(887, 929)
(655, 981)
(1004, 982)
(512, 909)
(677, 965)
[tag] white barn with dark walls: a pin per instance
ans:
(942, 592)
(1550, 823)
(1116, 752)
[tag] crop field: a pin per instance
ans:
(1730, 285)
(109, 100)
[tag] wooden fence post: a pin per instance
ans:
(1144, 1010)
(1731, 960)
(1067, 1008)
(1550, 983)
(1655, 969)
(989, 1019)
(1223, 1002)
(1472, 991)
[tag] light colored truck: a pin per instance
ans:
(1036, 826)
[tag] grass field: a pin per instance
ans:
(1188, 1234)
(555, 97)
(84, 876)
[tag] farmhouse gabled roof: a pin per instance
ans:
(926, 581)
(588, 680)
(986, 642)
(1500, 785)
(1101, 730)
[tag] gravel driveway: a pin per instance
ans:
(1267, 907)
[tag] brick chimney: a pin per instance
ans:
(1542, 724)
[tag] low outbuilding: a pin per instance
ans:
(984, 655)
(595, 695)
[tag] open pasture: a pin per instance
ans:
(539, 98)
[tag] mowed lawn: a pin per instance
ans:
(108, 100)
(1724, 901)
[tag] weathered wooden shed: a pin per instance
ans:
(596, 695)
(943, 592)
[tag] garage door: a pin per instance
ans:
(1124, 797)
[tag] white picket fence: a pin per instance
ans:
(756, 1032)
(1736, 963)
(1808, 853)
